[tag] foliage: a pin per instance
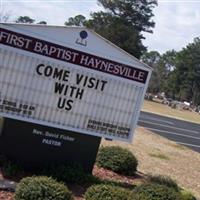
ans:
(117, 159)
(44, 188)
(106, 192)
(162, 66)
(72, 173)
(3, 160)
(138, 13)
(78, 20)
(122, 23)
(118, 31)
(69, 173)
(154, 192)
(42, 22)
(10, 168)
(4, 15)
(186, 195)
(152, 58)
(184, 80)
(176, 73)
(163, 180)
(25, 19)
(28, 20)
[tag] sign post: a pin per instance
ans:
(75, 88)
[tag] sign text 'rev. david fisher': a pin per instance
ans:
(73, 56)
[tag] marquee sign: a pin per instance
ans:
(49, 84)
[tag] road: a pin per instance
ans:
(182, 132)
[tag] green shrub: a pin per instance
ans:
(106, 192)
(68, 173)
(117, 159)
(3, 160)
(41, 188)
(186, 195)
(10, 169)
(163, 180)
(154, 192)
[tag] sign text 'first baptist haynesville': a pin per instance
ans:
(73, 56)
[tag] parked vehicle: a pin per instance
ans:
(167, 101)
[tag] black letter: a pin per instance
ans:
(66, 75)
(69, 104)
(37, 69)
(79, 79)
(79, 93)
(59, 88)
(61, 105)
(103, 84)
(48, 70)
(91, 82)
(57, 73)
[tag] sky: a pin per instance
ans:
(177, 21)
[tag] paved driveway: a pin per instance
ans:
(182, 132)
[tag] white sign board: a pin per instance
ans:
(54, 85)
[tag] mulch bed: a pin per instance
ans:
(4, 195)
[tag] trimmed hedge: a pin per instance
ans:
(106, 192)
(154, 192)
(117, 159)
(41, 188)
(163, 180)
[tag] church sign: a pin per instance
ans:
(57, 85)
